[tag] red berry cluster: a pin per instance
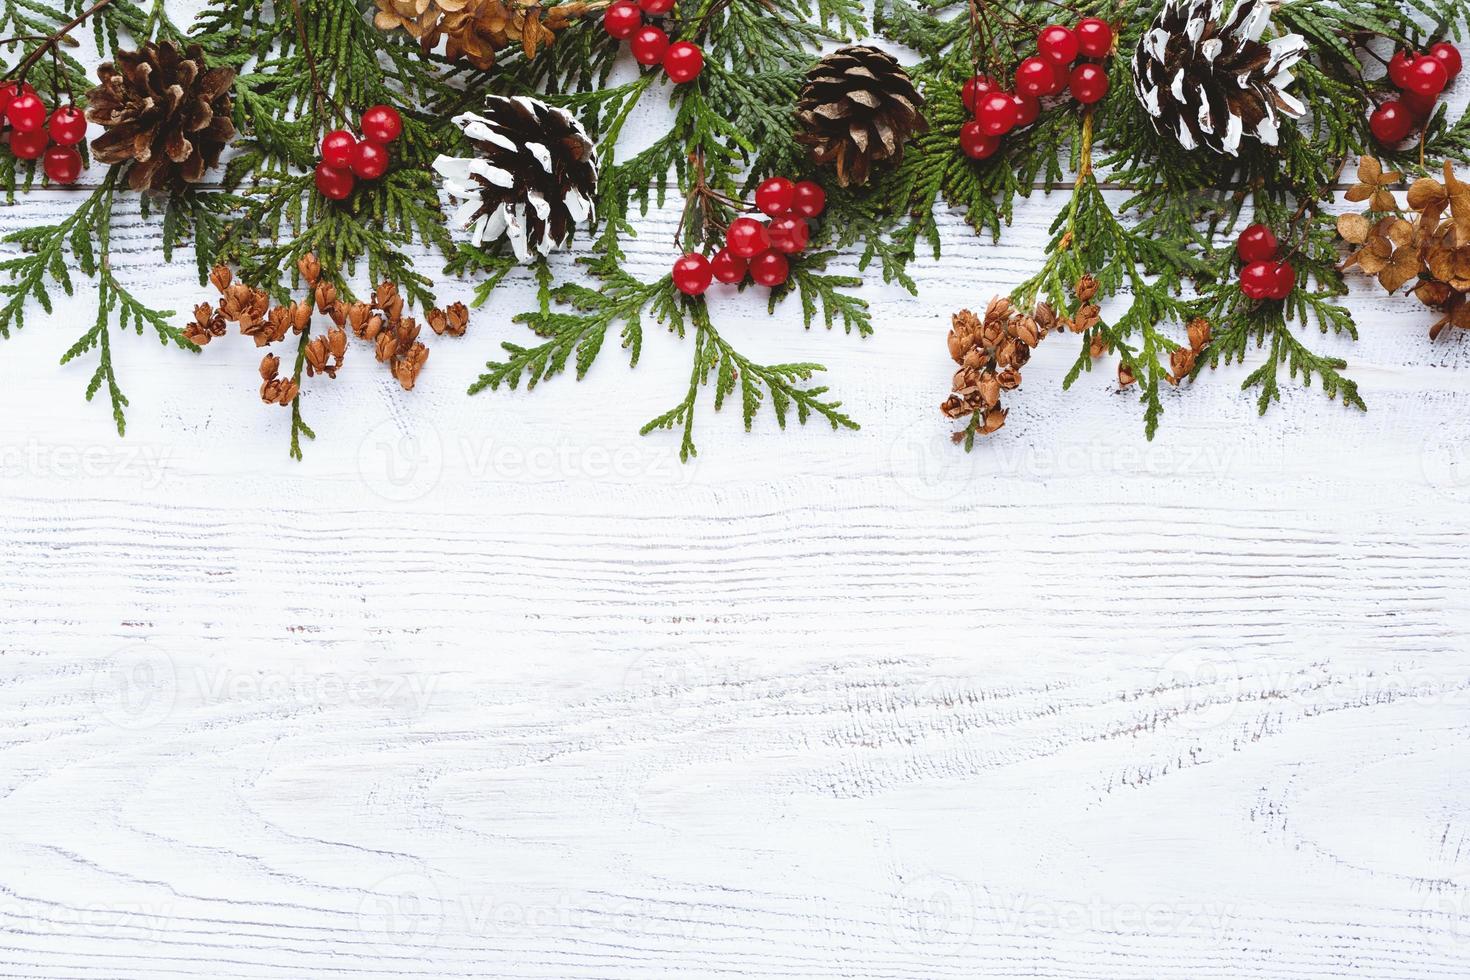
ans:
(756, 248)
(345, 158)
(1262, 275)
(1045, 74)
(649, 43)
(1420, 77)
(31, 136)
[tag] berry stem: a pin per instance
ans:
(29, 61)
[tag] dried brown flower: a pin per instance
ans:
(1426, 244)
(452, 321)
(475, 30)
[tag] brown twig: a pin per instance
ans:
(319, 95)
(51, 42)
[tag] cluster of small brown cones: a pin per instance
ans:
(991, 352)
(381, 322)
(1427, 244)
(474, 30)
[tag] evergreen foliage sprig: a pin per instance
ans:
(1152, 222)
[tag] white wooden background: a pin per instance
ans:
(494, 687)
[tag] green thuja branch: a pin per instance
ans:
(85, 238)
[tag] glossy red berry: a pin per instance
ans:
(976, 143)
(68, 126)
(621, 19)
(334, 183)
(746, 238)
(1089, 83)
(1391, 123)
(63, 164)
(997, 114)
(971, 91)
(810, 201)
(683, 61)
(1398, 69)
(369, 160)
(1420, 107)
(770, 268)
(1256, 244)
(381, 124)
(9, 91)
(1028, 109)
(1449, 56)
(789, 234)
(649, 44)
(1059, 44)
(28, 146)
(1258, 280)
(692, 274)
(1036, 77)
(337, 147)
(727, 268)
(1283, 280)
(27, 113)
(655, 8)
(1428, 76)
(1094, 37)
(775, 196)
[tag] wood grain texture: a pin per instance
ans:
(494, 687)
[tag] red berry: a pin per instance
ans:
(27, 113)
(63, 164)
(971, 91)
(1256, 244)
(1391, 123)
(1089, 83)
(1028, 110)
(746, 238)
(1449, 55)
(811, 200)
(621, 19)
(1036, 77)
(1095, 37)
(369, 160)
(997, 114)
(1283, 280)
(337, 147)
(28, 146)
(683, 61)
(692, 274)
(68, 126)
(775, 196)
(1420, 107)
(1398, 69)
(789, 234)
(381, 124)
(977, 144)
(335, 183)
(656, 7)
(8, 93)
(727, 268)
(1058, 44)
(1428, 76)
(770, 268)
(1258, 280)
(649, 45)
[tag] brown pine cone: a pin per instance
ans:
(165, 111)
(857, 108)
